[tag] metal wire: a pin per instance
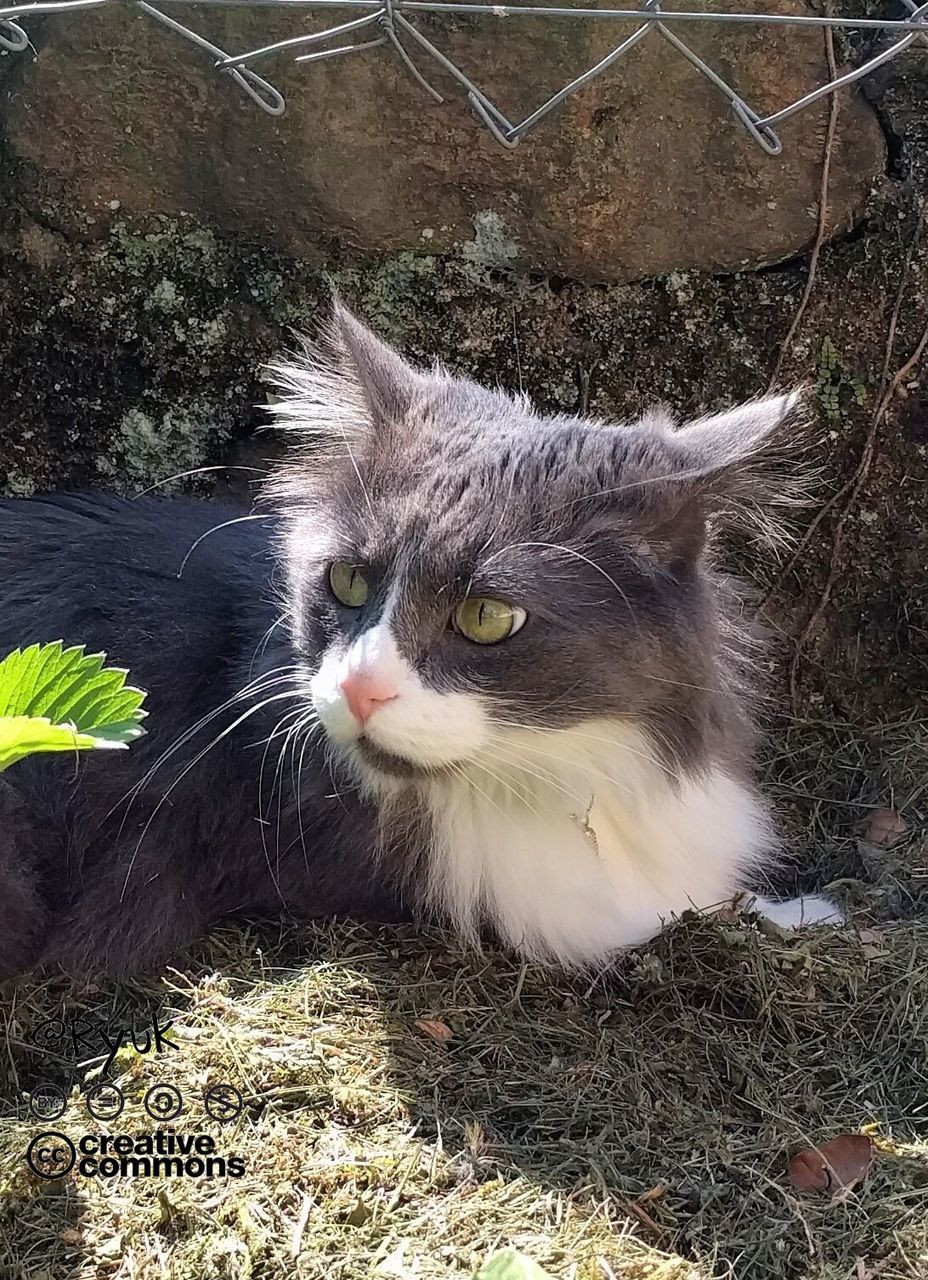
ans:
(398, 32)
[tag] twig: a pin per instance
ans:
(822, 229)
(861, 472)
(299, 1227)
(840, 494)
(583, 381)
(515, 340)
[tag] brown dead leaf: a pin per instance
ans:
(359, 1214)
(885, 827)
(435, 1029)
(638, 1211)
(837, 1166)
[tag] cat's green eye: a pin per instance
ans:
(348, 584)
(487, 621)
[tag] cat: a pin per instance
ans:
(467, 661)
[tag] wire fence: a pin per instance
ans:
(391, 25)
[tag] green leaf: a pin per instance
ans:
(58, 699)
(510, 1265)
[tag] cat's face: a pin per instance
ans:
(464, 571)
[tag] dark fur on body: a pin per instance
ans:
(83, 884)
(116, 860)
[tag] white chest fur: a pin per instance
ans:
(573, 845)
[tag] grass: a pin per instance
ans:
(636, 1125)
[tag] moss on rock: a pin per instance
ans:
(131, 358)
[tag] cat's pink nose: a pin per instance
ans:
(365, 692)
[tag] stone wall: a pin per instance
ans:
(646, 171)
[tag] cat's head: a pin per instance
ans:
(463, 569)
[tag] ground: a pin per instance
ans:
(633, 1125)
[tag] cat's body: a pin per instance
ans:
(472, 662)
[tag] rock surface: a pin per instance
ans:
(643, 172)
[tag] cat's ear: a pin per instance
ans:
(748, 462)
(388, 382)
(737, 468)
(742, 450)
(348, 386)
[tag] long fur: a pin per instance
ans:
(571, 788)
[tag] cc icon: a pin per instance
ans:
(51, 1155)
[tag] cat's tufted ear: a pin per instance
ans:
(348, 386)
(748, 461)
(735, 447)
(735, 468)
(388, 382)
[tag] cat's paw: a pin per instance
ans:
(798, 913)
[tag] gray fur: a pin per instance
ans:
(603, 533)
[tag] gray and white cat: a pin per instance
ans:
(475, 662)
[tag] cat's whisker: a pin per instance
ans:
(521, 797)
(278, 729)
(226, 524)
(469, 782)
(354, 462)
(306, 724)
(550, 779)
(263, 821)
(499, 524)
(260, 685)
(278, 785)
(552, 702)
(639, 675)
(260, 706)
(643, 483)
(617, 744)
(551, 735)
(266, 638)
(309, 731)
(534, 770)
(196, 471)
(674, 768)
(677, 684)
(580, 767)
(330, 758)
(263, 824)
